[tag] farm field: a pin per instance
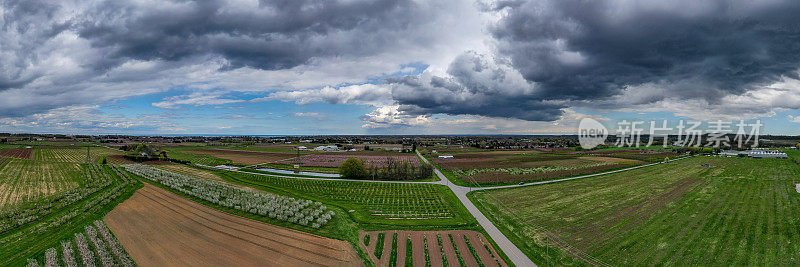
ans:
(733, 211)
(244, 156)
(334, 160)
(429, 248)
(31, 229)
(27, 181)
(100, 248)
(508, 167)
(290, 167)
(20, 153)
(371, 204)
(159, 228)
(280, 148)
(186, 170)
(185, 154)
(647, 155)
(118, 159)
(77, 155)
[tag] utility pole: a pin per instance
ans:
(547, 247)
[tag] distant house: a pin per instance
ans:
(446, 157)
(327, 148)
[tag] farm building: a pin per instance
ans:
(767, 154)
(446, 156)
(730, 153)
(327, 148)
(756, 153)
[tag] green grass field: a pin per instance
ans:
(740, 212)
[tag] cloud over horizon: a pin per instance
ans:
(407, 62)
(613, 54)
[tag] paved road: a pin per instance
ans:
(514, 254)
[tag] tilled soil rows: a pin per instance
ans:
(159, 228)
(431, 248)
(20, 153)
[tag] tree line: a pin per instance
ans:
(393, 169)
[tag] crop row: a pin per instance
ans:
(97, 179)
(27, 181)
(184, 155)
(65, 214)
(298, 211)
(75, 154)
(525, 171)
(390, 201)
(20, 153)
(101, 247)
(324, 160)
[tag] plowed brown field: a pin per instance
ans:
(159, 228)
(438, 245)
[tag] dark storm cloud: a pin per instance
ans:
(476, 84)
(581, 51)
(272, 35)
(65, 53)
(20, 30)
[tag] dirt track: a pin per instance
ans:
(159, 228)
(419, 240)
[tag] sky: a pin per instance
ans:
(319, 67)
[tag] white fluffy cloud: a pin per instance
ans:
(363, 94)
(202, 98)
(87, 119)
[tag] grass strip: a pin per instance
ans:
(492, 254)
(455, 248)
(473, 252)
(393, 256)
(409, 261)
(427, 253)
(379, 246)
(441, 249)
